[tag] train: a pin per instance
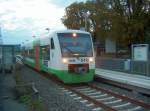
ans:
(68, 54)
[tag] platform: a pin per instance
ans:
(130, 81)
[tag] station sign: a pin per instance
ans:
(140, 52)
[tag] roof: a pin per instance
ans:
(45, 37)
(12, 45)
(70, 30)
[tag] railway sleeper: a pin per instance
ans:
(105, 99)
(122, 105)
(97, 109)
(129, 107)
(137, 108)
(88, 91)
(99, 96)
(93, 93)
(113, 101)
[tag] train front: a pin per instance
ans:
(77, 54)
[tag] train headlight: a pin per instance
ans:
(74, 35)
(65, 60)
(91, 59)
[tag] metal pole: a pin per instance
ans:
(85, 23)
(1, 41)
(147, 68)
(132, 59)
(147, 71)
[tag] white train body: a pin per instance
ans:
(68, 54)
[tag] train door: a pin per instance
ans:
(52, 54)
(37, 57)
(45, 50)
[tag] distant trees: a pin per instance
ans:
(131, 20)
(127, 21)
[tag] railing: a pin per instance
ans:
(124, 65)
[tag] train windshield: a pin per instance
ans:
(75, 44)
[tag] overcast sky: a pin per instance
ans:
(21, 19)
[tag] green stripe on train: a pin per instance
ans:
(73, 77)
(65, 76)
(32, 64)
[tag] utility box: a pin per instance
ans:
(127, 65)
(7, 57)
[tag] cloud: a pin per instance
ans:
(21, 19)
(65, 3)
(15, 14)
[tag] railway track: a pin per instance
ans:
(99, 99)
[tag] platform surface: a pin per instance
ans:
(125, 78)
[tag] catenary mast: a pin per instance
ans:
(1, 41)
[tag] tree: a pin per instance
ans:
(130, 20)
(127, 21)
(75, 18)
(72, 19)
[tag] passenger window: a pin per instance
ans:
(45, 52)
(52, 44)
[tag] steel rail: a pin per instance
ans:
(137, 102)
(96, 103)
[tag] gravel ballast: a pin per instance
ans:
(53, 97)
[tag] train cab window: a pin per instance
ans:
(52, 44)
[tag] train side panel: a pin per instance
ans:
(32, 54)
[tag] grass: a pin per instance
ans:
(25, 95)
(34, 105)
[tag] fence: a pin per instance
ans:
(124, 65)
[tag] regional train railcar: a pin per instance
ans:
(67, 54)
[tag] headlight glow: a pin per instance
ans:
(65, 61)
(91, 59)
(74, 35)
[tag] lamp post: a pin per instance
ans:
(86, 15)
(1, 41)
(85, 23)
(48, 29)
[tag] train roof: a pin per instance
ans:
(70, 30)
(44, 40)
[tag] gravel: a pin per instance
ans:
(53, 97)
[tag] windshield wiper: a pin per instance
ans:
(69, 50)
(74, 53)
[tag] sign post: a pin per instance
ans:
(140, 53)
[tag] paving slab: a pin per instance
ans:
(131, 79)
